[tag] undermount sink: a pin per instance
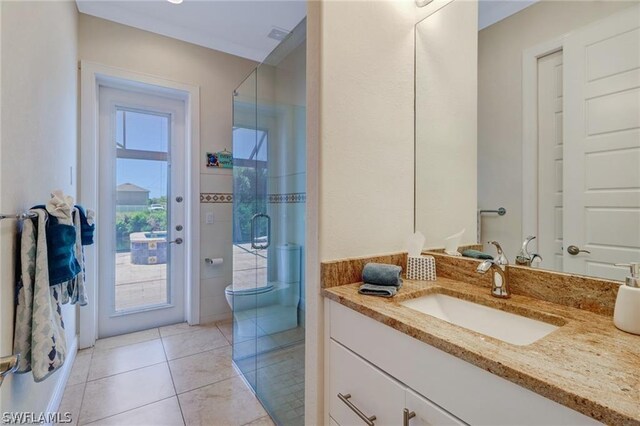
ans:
(505, 326)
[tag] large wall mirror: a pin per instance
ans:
(557, 138)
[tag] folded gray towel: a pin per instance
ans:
(382, 274)
(378, 290)
(476, 254)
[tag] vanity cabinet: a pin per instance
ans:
(385, 371)
(357, 386)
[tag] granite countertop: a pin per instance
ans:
(587, 364)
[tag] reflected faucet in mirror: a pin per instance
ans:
(500, 286)
(524, 258)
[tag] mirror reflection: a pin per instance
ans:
(551, 168)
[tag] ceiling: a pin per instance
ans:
(237, 27)
(492, 11)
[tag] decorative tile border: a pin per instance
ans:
(226, 197)
(293, 197)
(216, 197)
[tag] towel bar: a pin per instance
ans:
(501, 211)
(18, 216)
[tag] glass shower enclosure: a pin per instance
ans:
(269, 181)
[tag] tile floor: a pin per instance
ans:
(172, 376)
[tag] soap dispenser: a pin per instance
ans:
(626, 315)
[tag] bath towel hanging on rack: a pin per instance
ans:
(39, 330)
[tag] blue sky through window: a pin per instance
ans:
(151, 175)
(144, 132)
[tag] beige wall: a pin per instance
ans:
(366, 127)
(217, 74)
(38, 141)
(446, 123)
(500, 104)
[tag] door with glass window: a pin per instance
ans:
(141, 210)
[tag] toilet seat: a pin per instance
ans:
(249, 291)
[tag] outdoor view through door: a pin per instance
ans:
(142, 208)
(142, 166)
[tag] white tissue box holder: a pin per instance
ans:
(421, 268)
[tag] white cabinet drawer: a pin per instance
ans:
(372, 392)
(426, 412)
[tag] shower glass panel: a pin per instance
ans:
(245, 257)
(269, 148)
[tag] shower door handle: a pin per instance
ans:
(254, 219)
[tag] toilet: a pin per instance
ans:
(275, 304)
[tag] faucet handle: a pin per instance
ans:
(501, 259)
(526, 242)
(533, 257)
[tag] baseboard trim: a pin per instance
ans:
(215, 318)
(58, 392)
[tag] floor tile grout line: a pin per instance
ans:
(223, 335)
(101, 350)
(197, 353)
(199, 327)
(84, 389)
(184, 421)
(131, 409)
(127, 371)
(236, 376)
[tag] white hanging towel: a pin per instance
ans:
(39, 329)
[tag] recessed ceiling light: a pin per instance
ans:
(175, 1)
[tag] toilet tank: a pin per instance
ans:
(289, 263)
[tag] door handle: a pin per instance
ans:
(406, 416)
(253, 231)
(8, 365)
(575, 250)
(367, 419)
(177, 241)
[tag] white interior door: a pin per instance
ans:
(142, 211)
(550, 161)
(602, 145)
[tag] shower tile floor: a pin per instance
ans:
(175, 375)
(280, 378)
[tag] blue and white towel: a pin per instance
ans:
(39, 329)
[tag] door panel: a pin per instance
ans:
(602, 145)
(142, 177)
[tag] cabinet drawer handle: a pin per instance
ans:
(345, 399)
(406, 416)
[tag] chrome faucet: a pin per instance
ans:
(498, 266)
(524, 258)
